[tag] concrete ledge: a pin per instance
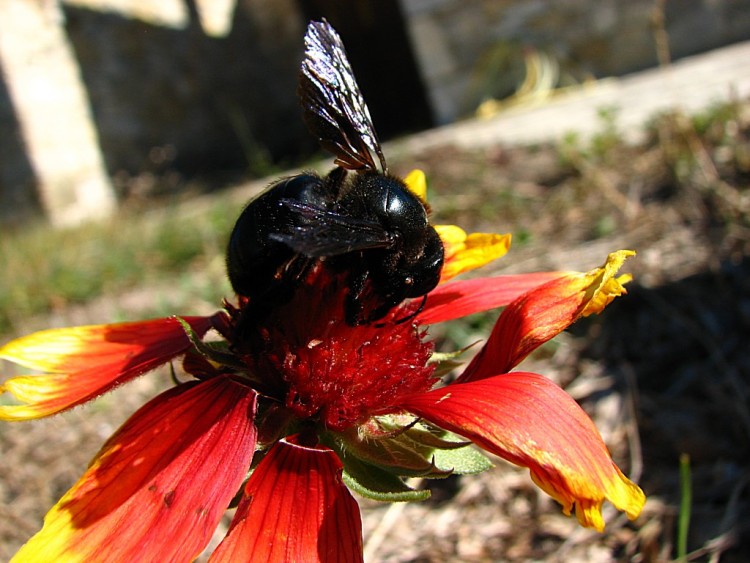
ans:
(690, 84)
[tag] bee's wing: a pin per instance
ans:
(319, 232)
(333, 107)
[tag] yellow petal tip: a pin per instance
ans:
(605, 286)
(625, 495)
(465, 252)
(417, 183)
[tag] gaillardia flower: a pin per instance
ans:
(296, 408)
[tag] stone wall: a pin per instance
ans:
(178, 97)
(161, 92)
(169, 88)
(470, 50)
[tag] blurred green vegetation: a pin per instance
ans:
(44, 269)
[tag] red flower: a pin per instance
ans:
(313, 407)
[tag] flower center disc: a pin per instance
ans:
(327, 370)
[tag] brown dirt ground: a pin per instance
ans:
(665, 371)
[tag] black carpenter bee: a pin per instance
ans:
(358, 219)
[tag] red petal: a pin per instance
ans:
(530, 421)
(295, 508)
(458, 299)
(158, 488)
(542, 313)
(84, 362)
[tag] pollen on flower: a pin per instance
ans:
(327, 371)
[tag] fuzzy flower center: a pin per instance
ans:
(328, 371)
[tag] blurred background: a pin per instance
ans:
(133, 132)
(115, 99)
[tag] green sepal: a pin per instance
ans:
(462, 461)
(446, 362)
(435, 438)
(213, 351)
(400, 455)
(449, 451)
(440, 357)
(378, 484)
(444, 367)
